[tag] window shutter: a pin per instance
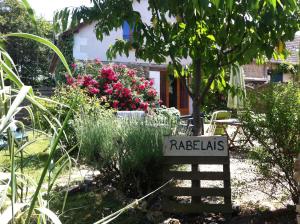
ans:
(126, 31)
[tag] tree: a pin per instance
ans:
(212, 34)
(32, 59)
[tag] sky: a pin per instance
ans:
(46, 8)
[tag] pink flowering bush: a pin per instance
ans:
(116, 85)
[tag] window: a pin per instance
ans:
(277, 77)
(127, 31)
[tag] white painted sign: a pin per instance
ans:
(195, 146)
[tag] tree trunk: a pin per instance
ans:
(196, 99)
(197, 120)
(196, 117)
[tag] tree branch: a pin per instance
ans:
(172, 56)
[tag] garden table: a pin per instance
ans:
(238, 129)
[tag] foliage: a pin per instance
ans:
(132, 147)
(288, 68)
(215, 100)
(97, 133)
(65, 44)
(141, 157)
(32, 59)
(276, 128)
(115, 85)
(172, 115)
(215, 34)
(11, 100)
(65, 95)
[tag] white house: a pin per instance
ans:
(172, 92)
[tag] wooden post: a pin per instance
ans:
(297, 178)
(196, 184)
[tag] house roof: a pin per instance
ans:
(293, 47)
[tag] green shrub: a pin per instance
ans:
(84, 105)
(277, 131)
(140, 158)
(171, 115)
(132, 147)
(97, 134)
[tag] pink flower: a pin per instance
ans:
(97, 61)
(115, 104)
(144, 105)
(133, 106)
(73, 65)
(146, 83)
(115, 66)
(109, 73)
(137, 100)
(93, 90)
(142, 87)
(118, 86)
(151, 82)
(108, 91)
(80, 80)
(151, 92)
(127, 92)
(131, 73)
(86, 80)
(70, 80)
(94, 82)
(105, 86)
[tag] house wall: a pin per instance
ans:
(287, 77)
(87, 47)
(255, 73)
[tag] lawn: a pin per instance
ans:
(34, 156)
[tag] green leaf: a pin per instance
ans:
(293, 3)
(30, 13)
(196, 5)
(273, 3)
(176, 75)
(229, 4)
(44, 42)
(212, 86)
(51, 215)
(7, 215)
(11, 75)
(13, 108)
(211, 37)
(182, 25)
(216, 3)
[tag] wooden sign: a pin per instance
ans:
(195, 146)
(197, 150)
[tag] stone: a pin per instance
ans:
(171, 221)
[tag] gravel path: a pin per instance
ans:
(248, 188)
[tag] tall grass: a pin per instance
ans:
(11, 99)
